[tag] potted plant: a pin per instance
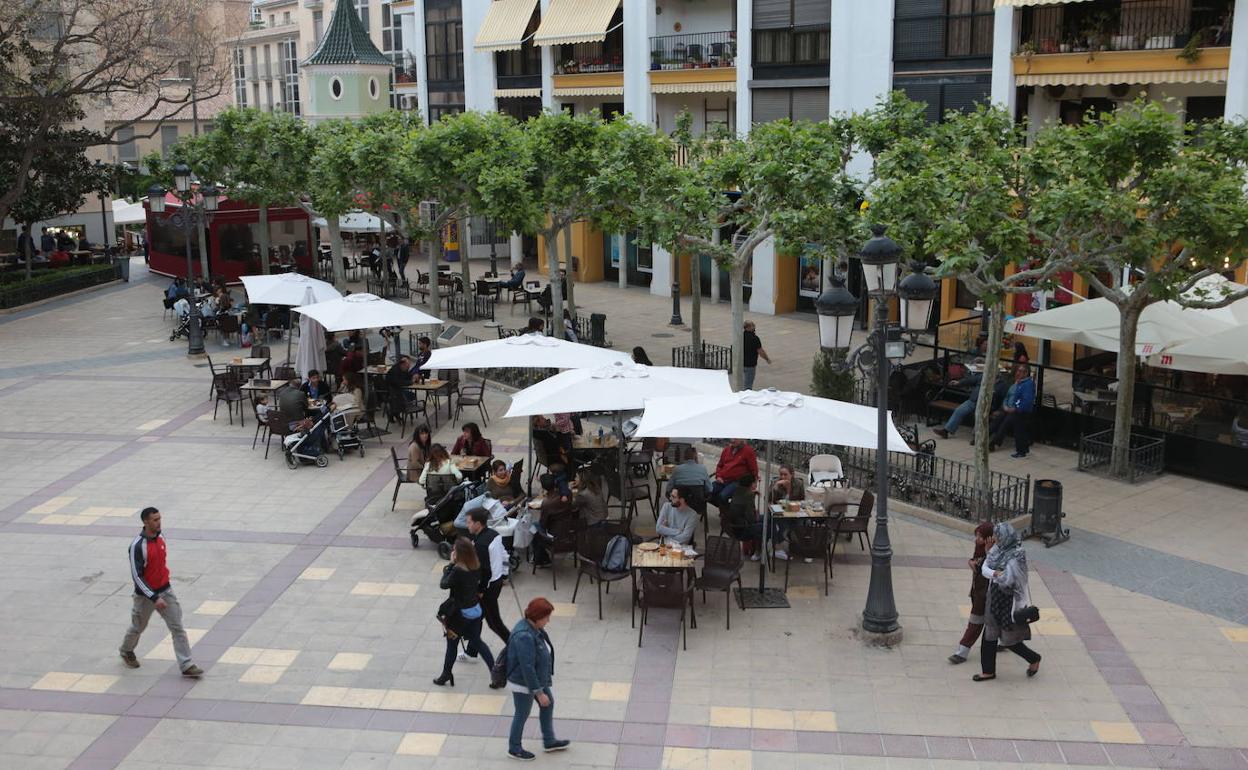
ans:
(1048, 45)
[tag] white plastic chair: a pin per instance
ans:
(826, 469)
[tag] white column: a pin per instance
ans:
(661, 278)
(1003, 90)
(638, 29)
(1237, 76)
(861, 55)
(417, 49)
(548, 69)
(515, 248)
(478, 65)
(763, 289)
(745, 55)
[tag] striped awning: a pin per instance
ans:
(575, 21)
(590, 91)
(715, 87)
(1133, 78)
(516, 93)
(504, 25)
(1024, 3)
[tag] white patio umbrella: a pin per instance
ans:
(355, 222)
(287, 289)
(1095, 323)
(311, 353)
(767, 415)
(127, 213)
(1223, 353)
(617, 387)
(533, 351)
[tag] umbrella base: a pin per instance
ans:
(766, 599)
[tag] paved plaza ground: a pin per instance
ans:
(314, 618)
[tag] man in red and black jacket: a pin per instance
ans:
(737, 460)
(152, 591)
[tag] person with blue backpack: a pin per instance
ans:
(530, 673)
(1020, 402)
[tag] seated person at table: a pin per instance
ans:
(590, 502)
(553, 505)
(439, 463)
(423, 351)
(176, 289)
(471, 442)
(316, 388)
(741, 517)
(419, 448)
(677, 521)
(352, 363)
(536, 326)
(263, 407)
(400, 375)
(787, 486)
(690, 473)
(498, 483)
(516, 280)
(735, 461)
(350, 397)
(293, 404)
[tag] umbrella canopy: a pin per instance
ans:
(1095, 322)
(287, 289)
(533, 351)
(1223, 353)
(311, 353)
(127, 213)
(767, 415)
(355, 222)
(615, 387)
(364, 311)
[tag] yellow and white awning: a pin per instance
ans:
(516, 93)
(575, 21)
(1025, 3)
(589, 91)
(1132, 78)
(713, 87)
(504, 25)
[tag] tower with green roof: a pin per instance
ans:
(347, 77)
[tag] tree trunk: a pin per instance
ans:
(695, 312)
(264, 239)
(736, 279)
(567, 255)
(556, 293)
(335, 252)
(983, 410)
(715, 239)
(434, 293)
(30, 249)
(465, 247)
(1128, 325)
(622, 274)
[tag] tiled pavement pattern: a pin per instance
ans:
(313, 616)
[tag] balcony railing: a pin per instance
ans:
(693, 51)
(589, 57)
(404, 69)
(1123, 25)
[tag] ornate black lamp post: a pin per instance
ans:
(193, 206)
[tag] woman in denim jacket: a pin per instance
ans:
(530, 670)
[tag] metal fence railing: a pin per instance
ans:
(1146, 455)
(1124, 25)
(708, 357)
(693, 51)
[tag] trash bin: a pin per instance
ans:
(598, 329)
(1046, 512)
(123, 267)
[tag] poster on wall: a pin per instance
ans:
(810, 273)
(450, 241)
(747, 278)
(613, 245)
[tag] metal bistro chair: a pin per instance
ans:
(809, 542)
(472, 395)
(401, 476)
(262, 425)
(668, 590)
(564, 530)
(228, 390)
(591, 548)
(277, 426)
(857, 524)
(720, 569)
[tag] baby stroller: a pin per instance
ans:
(346, 437)
(436, 522)
(305, 445)
(183, 329)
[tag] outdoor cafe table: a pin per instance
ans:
(247, 366)
(645, 557)
(592, 442)
(431, 389)
(469, 463)
(255, 387)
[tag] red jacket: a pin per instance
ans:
(480, 447)
(735, 463)
(148, 567)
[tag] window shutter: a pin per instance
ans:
(770, 104)
(921, 39)
(811, 13)
(924, 92)
(773, 14)
(810, 104)
(964, 96)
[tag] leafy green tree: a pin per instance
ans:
(59, 182)
(332, 190)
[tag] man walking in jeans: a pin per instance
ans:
(152, 591)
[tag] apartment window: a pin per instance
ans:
(290, 58)
(444, 36)
(267, 72)
(950, 92)
(361, 10)
(791, 103)
(272, 20)
(184, 69)
(285, 17)
(240, 77)
(126, 149)
(445, 103)
(168, 138)
(934, 30)
(268, 95)
(391, 31)
(318, 25)
(789, 32)
(969, 25)
(255, 67)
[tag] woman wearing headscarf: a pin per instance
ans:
(979, 594)
(1005, 567)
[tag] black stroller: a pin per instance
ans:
(436, 522)
(183, 329)
(346, 437)
(305, 446)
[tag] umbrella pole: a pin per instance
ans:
(290, 333)
(619, 432)
(762, 562)
(528, 486)
(365, 405)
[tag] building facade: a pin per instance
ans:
(733, 63)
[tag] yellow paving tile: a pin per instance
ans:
(147, 439)
(320, 695)
(363, 698)
(723, 759)
(615, 691)
(97, 510)
(53, 505)
(152, 425)
(421, 744)
(350, 661)
(55, 518)
(96, 683)
(80, 520)
(385, 589)
(564, 609)
(1116, 732)
(676, 758)
(444, 702)
(241, 655)
(1236, 634)
(772, 719)
(277, 657)
(262, 675)
(164, 648)
(490, 705)
(123, 512)
(317, 573)
(804, 592)
(56, 680)
(403, 700)
(1053, 627)
(726, 716)
(214, 607)
(815, 721)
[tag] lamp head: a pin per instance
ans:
(918, 293)
(836, 307)
(879, 257)
(182, 177)
(156, 199)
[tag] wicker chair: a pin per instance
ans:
(227, 387)
(669, 590)
(591, 547)
(721, 568)
(809, 542)
(401, 476)
(278, 427)
(563, 530)
(857, 524)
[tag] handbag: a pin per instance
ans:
(1002, 606)
(451, 619)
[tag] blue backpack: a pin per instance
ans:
(616, 557)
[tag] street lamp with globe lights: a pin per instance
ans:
(837, 307)
(193, 206)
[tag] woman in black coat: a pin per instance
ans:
(461, 614)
